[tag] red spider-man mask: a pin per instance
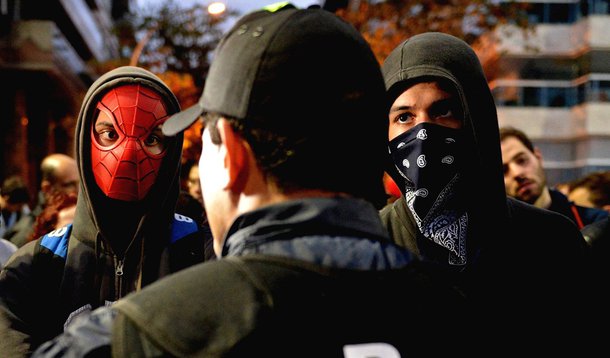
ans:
(127, 144)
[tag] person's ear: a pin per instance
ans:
(236, 157)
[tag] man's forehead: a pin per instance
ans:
(512, 147)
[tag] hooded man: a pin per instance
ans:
(125, 234)
(514, 261)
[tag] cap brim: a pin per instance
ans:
(182, 120)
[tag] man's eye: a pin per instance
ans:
(444, 109)
(152, 140)
(107, 136)
(522, 160)
(448, 113)
(110, 135)
(404, 118)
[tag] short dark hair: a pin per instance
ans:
(598, 184)
(508, 131)
(288, 161)
(15, 189)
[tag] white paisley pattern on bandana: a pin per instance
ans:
(445, 227)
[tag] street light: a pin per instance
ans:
(216, 8)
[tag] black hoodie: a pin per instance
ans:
(520, 258)
(112, 248)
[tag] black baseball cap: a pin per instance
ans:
(273, 58)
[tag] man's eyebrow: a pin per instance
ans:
(516, 156)
(442, 101)
(446, 102)
(400, 108)
(105, 124)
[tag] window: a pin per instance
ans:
(553, 13)
(543, 95)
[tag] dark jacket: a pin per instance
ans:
(597, 235)
(583, 216)
(600, 230)
(111, 249)
(526, 256)
(306, 278)
(522, 262)
(19, 233)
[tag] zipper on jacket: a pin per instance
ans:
(119, 268)
(118, 279)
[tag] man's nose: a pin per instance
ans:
(422, 117)
(516, 171)
(131, 152)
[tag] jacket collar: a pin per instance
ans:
(304, 217)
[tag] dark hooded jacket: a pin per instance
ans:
(520, 259)
(111, 248)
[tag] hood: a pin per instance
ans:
(439, 55)
(118, 223)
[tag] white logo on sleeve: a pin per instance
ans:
(58, 232)
(183, 218)
(370, 350)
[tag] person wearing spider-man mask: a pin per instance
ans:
(125, 233)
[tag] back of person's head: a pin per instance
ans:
(15, 190)
(508, 132)
(304, 89)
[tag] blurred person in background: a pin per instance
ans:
(191, 201)
(59, 176)
(7, 248)
(525, 179)
(57, 213)
(14, 198)
(591, 190)
(193, 183)
(594, 190)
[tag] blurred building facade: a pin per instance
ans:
(555, 85)
(45, 52)
(554, 82)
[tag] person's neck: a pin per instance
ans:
(544, 200)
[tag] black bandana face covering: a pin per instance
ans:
(427, 157)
